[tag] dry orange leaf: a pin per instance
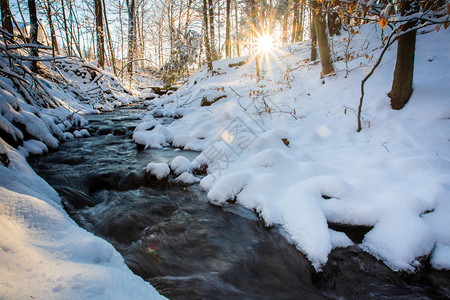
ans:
(383, 23)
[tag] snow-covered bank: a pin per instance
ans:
(45, 255)
(41, 109)
(287, 147)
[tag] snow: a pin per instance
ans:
(180, 164)
(68, 136)
(339, 239)
(187, 178)
(441, 257)
(160, 170)
(81, 133)
(35, 147)
(45, 255)
(287, 147)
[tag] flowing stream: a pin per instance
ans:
(188, 249)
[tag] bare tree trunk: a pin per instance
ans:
(206, 36)
(237, 27)
(131, 5)
(188, 15)
(111, 50)
(218, 32)
(6, 16)
(295, 22)
(23, 18)
(227, 30)
(313, 38)
(404, 66)
(322, 39)
(66, 29)
(121, 40)
(404, 70)
(284, 30)
(99, 32)
(300, 24)
(254, 25)
(48, 7)
(71, 28)
(33, 31)
(211, 30)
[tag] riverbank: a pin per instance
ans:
(286, 146)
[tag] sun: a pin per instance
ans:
(264, 43)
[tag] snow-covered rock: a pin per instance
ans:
(160, 170)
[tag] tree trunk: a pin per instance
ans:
(322, 39)
(212, 39)
(237, 28)
(111, 50)
(227, 30)
(23, 18)
(6, 16)
(33, 31)
(313, 39)
(206, 36)
(404, 70)
(300, 29)
(66, 29)
(99, 31)
(295, 22)
(48, 7)
(131, 5)
(284, 30)
(218, 51)
(254, 25)
(71, 28)
(404, 66)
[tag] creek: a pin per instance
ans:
(189, 249)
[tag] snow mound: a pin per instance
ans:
(35, 147)
(81, 133)
(160, 170)
(187, 178)
(180, 164)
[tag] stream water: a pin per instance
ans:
(188, 249)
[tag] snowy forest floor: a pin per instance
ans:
(285, 146)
